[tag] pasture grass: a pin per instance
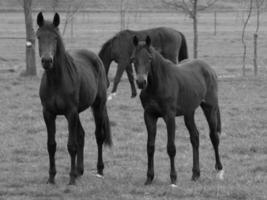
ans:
(24, 158)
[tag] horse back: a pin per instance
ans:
(199, 75)
(165, 40)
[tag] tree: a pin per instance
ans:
(243, 37)
(30, 39)
(259, 3)
(191, 8)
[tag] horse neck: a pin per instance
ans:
(106, 54)
(158, 73)
(54, 76)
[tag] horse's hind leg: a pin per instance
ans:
(97, 112)
(171, 149)
(212, 116)
(80, 149)
(129, 71)
(194, 138)
(51, 143)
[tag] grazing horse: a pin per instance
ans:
(70, 84)
(168, 91)
(169, 42)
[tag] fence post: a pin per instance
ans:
(215, 22)
(122, 14)
(255, 54)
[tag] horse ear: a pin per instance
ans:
(148, 41)
(56, 20)
(135, 40)
(40, 19)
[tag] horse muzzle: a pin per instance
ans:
(47, 63)
(141, 84)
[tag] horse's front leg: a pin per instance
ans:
(129, 71)
(49, 119)
(80, 149)
(120, 69)
(73, 126)
(151, 125)
(171, 149)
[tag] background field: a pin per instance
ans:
(243, 100)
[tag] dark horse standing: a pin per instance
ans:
(169, 42)
(70, 84)
(169, 91)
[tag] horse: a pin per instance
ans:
(167, 91)
(169, 42)
(71, 83)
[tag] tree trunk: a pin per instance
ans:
(195, 28)
(30, 39)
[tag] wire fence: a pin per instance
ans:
(219, 32)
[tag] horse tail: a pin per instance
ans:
(106, 128)
(219, 126)
(183, 53)
(103, 76)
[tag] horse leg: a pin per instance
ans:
(98, 115)
(211, 113)
(118, 76)
(73, 124)
(194, 138)
(80, 149)
(51, 143)
(171, 149)
(151, 125)
(129, 71)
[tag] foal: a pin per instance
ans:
(168, 91)
(70, 84)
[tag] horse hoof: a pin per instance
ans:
(173, 185)
(72, 181)
(220, 174)
(148, 181)
(79, 172)
(133, 95)
(195, 177)
(99, 176)
(51, 181)
(111, 96)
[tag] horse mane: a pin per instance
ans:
(159, 67)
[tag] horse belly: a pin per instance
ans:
(87, 95)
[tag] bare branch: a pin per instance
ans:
(71, 13)
(243, 36)
(179, 6)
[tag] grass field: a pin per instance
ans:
(243, 101)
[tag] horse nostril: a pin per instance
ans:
(46, 60)
(144, 83)
(49, 60)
